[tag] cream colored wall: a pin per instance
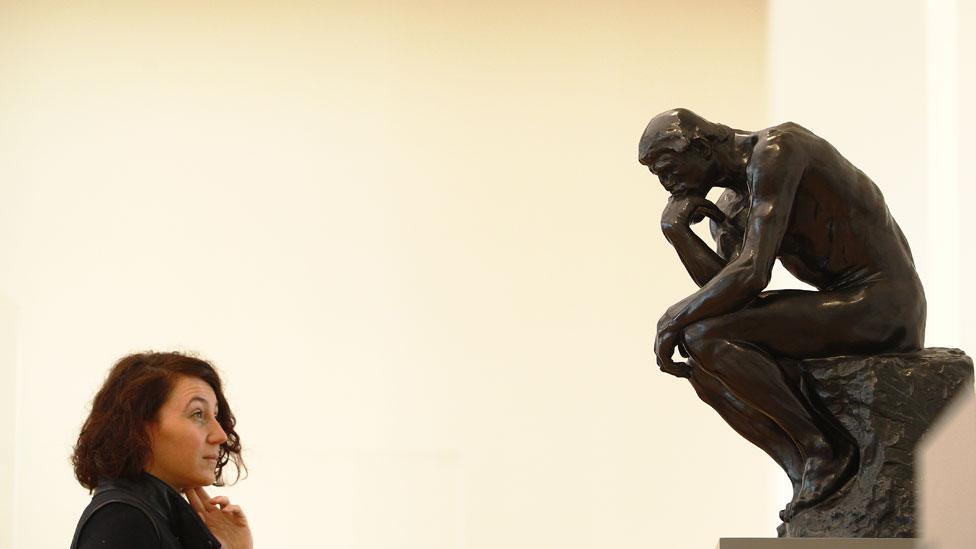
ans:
(8, 391)
(966, 33)
(413, 236)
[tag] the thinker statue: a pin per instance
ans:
(789, 195)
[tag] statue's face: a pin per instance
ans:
(687, 172)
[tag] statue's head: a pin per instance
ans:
(679, 147)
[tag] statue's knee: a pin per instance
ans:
(699, 340)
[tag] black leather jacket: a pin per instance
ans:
(175, 524)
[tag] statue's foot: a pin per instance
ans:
(677, 369)
(822, 477)
(796, 492)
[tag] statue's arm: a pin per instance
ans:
(698, 258)
(774, 175)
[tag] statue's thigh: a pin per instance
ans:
(805, 324)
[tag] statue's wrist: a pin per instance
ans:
(674, 228)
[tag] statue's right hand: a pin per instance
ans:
(664, 345)
(683, 211)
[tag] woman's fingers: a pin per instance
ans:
(201, 493)
(203, 504)
(220, 501)
(194, 499)
(236, 512)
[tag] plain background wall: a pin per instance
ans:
(8, 390)
(415, 239)
(967, 143)
(413, 236)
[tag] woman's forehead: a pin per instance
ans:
(187, 388)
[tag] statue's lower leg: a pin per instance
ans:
(759, 383)
(750, 424)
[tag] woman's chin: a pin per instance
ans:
(201, 481)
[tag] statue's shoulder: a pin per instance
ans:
(787, 133)
(788, 142)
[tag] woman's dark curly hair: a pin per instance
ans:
(114, 442)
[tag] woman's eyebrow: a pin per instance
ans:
(197, 399)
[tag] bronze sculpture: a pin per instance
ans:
(789, 195)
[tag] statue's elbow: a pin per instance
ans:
(757, 283)
(752, 280)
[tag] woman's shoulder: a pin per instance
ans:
(118, 525)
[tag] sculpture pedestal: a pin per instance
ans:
(947, 478)
(815, 543)
(886, 402)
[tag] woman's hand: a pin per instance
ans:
(226, 522)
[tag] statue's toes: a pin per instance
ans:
(786, 514)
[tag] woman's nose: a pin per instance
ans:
(217, 434)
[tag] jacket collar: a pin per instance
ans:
(157, 494)
(169, 504)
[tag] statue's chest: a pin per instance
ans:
(736, 209)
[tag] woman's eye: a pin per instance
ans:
(198, 414)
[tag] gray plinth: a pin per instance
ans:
(947, 479)
(816, 543)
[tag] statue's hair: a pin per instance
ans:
(675, 130)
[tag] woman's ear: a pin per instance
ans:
(151, 428)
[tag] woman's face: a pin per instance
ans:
(185, 439)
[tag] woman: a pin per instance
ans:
(159, 427)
